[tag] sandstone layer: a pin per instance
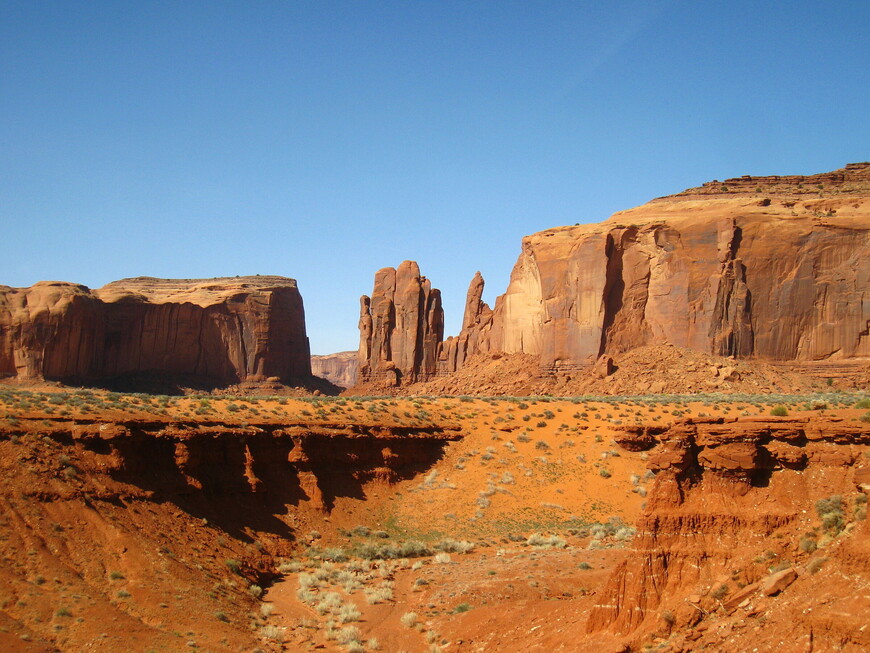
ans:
(735, 516)
(339, 369)
(210, 332)
(766, 268)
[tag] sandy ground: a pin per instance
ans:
(536, 487)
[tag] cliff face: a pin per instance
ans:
(736, 280)
(770, 268)
(340, 369)
(210, 331)
(734, 505)
(401, 327)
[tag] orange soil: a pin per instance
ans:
(71, 559)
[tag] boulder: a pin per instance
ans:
(778, 581)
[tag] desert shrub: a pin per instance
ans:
(306, 595)
(452, 546)
(807, 545)
(409, 619)
(603, 473)
(221, 616)
(584, 565)
(720, 591)
(543, 542)
(266, 609)
(233, 565)
(830, 511)
(815, 564)
(462, 607)
(348, 634)
(291, 567)
(334, 555)
(624, 533)
(378, 594)
(668, 617)
(349, 612)
(256, 591)
(779, 411)
(442, 558)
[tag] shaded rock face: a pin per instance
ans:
(401, 327)
(771, 268)
(209, 331)
(340, 369)
(726, 491)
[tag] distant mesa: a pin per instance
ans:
(765, 268)
(339, 369)
(198, 332)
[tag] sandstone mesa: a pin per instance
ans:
(214, 332)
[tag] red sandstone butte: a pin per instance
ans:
(213, 331)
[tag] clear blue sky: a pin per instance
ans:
(324, 140)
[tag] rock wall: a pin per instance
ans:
(771, 268)
(340, 369)
(210, 331)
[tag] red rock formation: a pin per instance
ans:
(729, 498)
(340, 369)
(735, 280)
(209, 331)
(401, 327)
(771, 268)
(474, 338)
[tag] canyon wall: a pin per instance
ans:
(205, 331)
(340, 369)
(771, 268)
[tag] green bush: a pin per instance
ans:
(779, 411)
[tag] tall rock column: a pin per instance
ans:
(475, 336)
(401, 327)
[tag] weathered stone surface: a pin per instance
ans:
(401, 327)
(340, 369)
(211, 331)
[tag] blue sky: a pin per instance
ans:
(324, 140)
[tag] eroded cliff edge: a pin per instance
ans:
(209, 332)
(740, 511)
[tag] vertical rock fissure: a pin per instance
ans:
(614, 286)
